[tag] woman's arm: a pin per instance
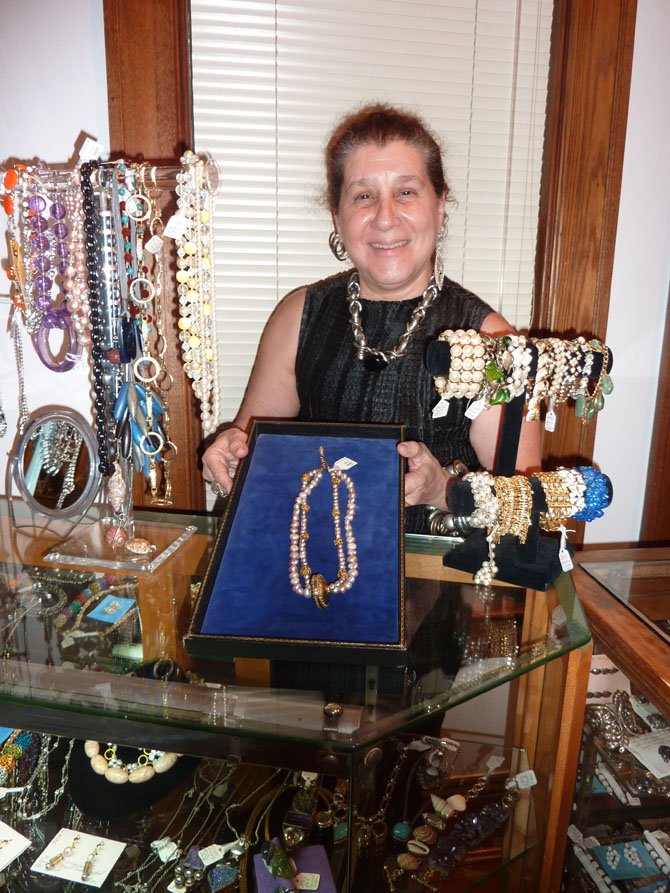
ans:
(426, 481)
(270, 393)
(485, 429)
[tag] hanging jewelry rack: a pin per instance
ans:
(149, 544)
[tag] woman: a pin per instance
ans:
(347, 349)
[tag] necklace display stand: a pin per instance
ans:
(88, 546)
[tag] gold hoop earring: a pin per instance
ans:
(336, 245)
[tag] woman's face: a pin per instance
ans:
(389, 219)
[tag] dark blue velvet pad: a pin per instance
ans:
(251, 594)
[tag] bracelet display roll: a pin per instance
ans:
(489, 371)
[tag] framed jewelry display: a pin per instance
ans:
(308, 562)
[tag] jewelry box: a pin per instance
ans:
(308, 562)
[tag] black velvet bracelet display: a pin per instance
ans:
(534, 564)
(438, 360)
(101, 799)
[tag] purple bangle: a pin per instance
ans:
(57, 319)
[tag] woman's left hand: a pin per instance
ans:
(425, 481)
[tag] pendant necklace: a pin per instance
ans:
(373, 358)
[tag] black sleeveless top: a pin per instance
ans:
(334, 386)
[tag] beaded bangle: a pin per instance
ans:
(587, 405)
(515, 501)
(12, 751)
(471, 352)
(564, 494)
(596, 494)
(74, 607)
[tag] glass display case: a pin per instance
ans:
(96, 655)
(620, 835)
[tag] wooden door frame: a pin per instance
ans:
(149, 85)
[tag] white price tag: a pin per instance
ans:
(575, 835)
(440, 409)
(526, 779)
(648, 749)
(494, 762)
(565, 560)
(166, 849)
(550, 421)
(590, 842)
(475, 409)
(211, 854)
(344, 464)
(307, 880)
(176, 227)
(90, 149)
(154, 245)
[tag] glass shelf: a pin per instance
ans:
(460, 646)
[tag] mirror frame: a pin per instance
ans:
(81, 505)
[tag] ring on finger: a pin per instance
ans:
(217, 489)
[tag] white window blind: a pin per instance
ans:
(270, 79)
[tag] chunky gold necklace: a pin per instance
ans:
(373, 358)
(314, 585)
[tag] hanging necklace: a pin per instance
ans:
(373, 358)
(315, 585)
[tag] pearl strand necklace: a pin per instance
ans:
(195, 258)
(315, 586)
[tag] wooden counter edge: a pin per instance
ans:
(639, 653)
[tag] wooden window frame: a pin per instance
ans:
(150, 116)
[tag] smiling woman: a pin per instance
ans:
(388, 219)
(351, 347)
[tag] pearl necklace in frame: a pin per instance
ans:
(314, 585)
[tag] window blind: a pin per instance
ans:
(270, 80)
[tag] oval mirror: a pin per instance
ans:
(55, 464)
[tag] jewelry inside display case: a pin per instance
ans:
(127, 760)
(620, 832)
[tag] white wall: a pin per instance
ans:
(54, 86)
(640, 281)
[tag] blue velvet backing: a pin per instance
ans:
(251, 594)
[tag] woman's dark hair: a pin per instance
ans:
(380, 124)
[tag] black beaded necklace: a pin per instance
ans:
(94, 264)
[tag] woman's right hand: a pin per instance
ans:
(220, 460)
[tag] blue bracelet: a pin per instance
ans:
(596, 495)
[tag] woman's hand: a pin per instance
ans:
(426, 480)
(220, 460)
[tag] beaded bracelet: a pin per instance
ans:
(12, 751)
(491, 371)
(74, 607)
(564, 494)
(596, 494)
(471, 352)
